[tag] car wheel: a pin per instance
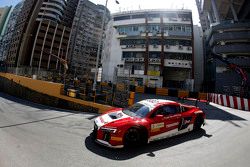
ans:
(133, 137)
(199, 120)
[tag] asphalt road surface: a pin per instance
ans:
(33, 135)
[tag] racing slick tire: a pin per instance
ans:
(199, 120)
(135, 136)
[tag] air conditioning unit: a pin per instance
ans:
(151, 60)
(134, 46)
(173, 19)
(141, 59)
(180, 47)
(127, 59)
(137, 59)
(143, 46)
(167, 46)
(155, 46)
(157, 60)
(189, 48)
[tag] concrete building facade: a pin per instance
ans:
(4, 13)
(227, 45)
(154, 47)
(85, 36)
(40, 37)
(7, 34)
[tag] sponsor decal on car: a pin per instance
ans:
(157, 126)
(171, 125)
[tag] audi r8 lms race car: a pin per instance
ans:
(146, 121)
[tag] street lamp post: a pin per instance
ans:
(99, 44)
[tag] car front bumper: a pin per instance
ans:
(107, 144)
(106, 139)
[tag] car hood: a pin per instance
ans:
(111, 117)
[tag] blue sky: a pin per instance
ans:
(8, 2)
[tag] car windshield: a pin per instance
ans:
(137, 110)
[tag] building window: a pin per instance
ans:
(138, 16)
(121, 18)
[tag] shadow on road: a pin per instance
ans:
(128, 153)
(13, 99)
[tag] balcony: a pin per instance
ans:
(134, 48)
(154, 61)
(180, 34)
(229, 37)
(139, 60)
(155, 48)
(154, 20)
(121, 35)
(128, 22)
(232, 49)
(178, 49)
(176, 20)
(128, 72)
(177, 63)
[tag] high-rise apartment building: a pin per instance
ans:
(7, 34)
(155, 47)
(85, 36)
(226, 28)
(4, 12)
(41, 34)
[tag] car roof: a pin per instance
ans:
(155, 102)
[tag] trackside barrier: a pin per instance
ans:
(52, 90)
(183, 93)
(202, 96)
(230, 101)
(162, 91)
(139, 89)
(131, 99)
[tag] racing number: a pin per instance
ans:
(184, 123)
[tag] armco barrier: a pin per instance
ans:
(230, 101)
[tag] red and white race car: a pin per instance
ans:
(146, 121)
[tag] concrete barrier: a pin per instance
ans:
(162, 91)
(202, 96)
(51, 89)
(183, 93)
(139, 89)
(230, 101)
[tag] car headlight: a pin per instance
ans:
(109, 129)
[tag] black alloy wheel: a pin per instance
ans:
(132, 137)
